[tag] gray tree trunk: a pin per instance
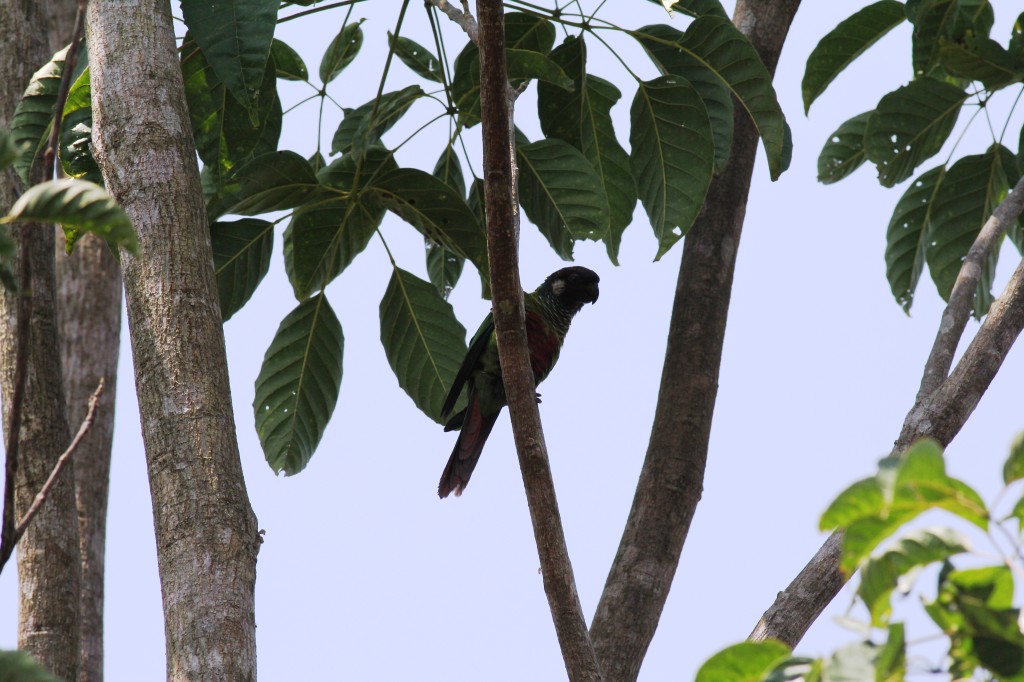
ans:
(207, 537)
(89, 317)
(48, 555)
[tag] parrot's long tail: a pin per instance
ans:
(475, 429)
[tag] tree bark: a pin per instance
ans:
(671, 480)
(48, 559)
(89, 317)
(207, 537)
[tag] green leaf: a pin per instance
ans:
(971, 190)
(526, 64)
(1016, 46)
(977, 58)
(1013, 468)
(288, 63)
(852, 663)
(8, 151)
(418, 58)
(235, 37)
(449, 171)
(910, 125)
(19, 666)
(342, 50)
(693, 8)
(271, 182)
(33, 116)
(846, 42)
(560, 110)
(883, 574)
(922, 483)
(561, 194)
(672, 156)
(935, 20)
(423, 341)
(323, 238)
(225, 131)
(75, 145)
(891, 662)
(661, 46)
(444, 267)
(844, 151)
(743, 662)
(727, 54)
(241, 258)
(298, 385)
(435, 209)
(907, 236)
(79, 206)
(362, 127)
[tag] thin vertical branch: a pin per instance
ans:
(509, 322)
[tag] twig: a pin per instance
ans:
(463, 19)
(940, 416)
(65, 456)
(958, 310)
(509, 321)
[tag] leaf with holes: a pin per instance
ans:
(909, 125)
(423, 341)
(936, 20)
(908, 233)
(971, 190)
(342, 50)
(672, 155)
(435, 209)
(725, 53)
(418, 58)
(241, 258)
(77, 205)
(561, 194)
(75, 144)
(362, 126)
(298, 385)
(844, 151)
(235, 37)
(846, 42)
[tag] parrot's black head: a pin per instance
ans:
(573, 286)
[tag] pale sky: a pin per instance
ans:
(366, 575)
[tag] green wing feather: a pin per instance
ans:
(477, 347)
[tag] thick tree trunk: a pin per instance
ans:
(207, 538)
(89, 315)
(48, 559)
(671, 481)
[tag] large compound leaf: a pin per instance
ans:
(271, 182)
(720, 47)
(418, 58)
(846, 42)
(561, 194)
(908, 234)
(435, 209)
(423, 341)
(324, 237)
(660, 44)
(672, 155)
(75, 145)
(235, 37)
(241, 258)
(34, 113)
(844, 151)
(298, 385)
(910, 125)
(78, 206)
(971, 190)
(342, 50)
(363, 126)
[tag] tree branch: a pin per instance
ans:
(463, 19)
(954, 317)
(65, 456)
(940, 415)
(671, 481)
(510, 326)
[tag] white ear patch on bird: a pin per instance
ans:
(557, 287)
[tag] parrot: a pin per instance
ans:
(549, 310)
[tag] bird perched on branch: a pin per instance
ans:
(549, 310)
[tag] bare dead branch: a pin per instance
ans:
(958, 310)
(462, 18)
(510, 326)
